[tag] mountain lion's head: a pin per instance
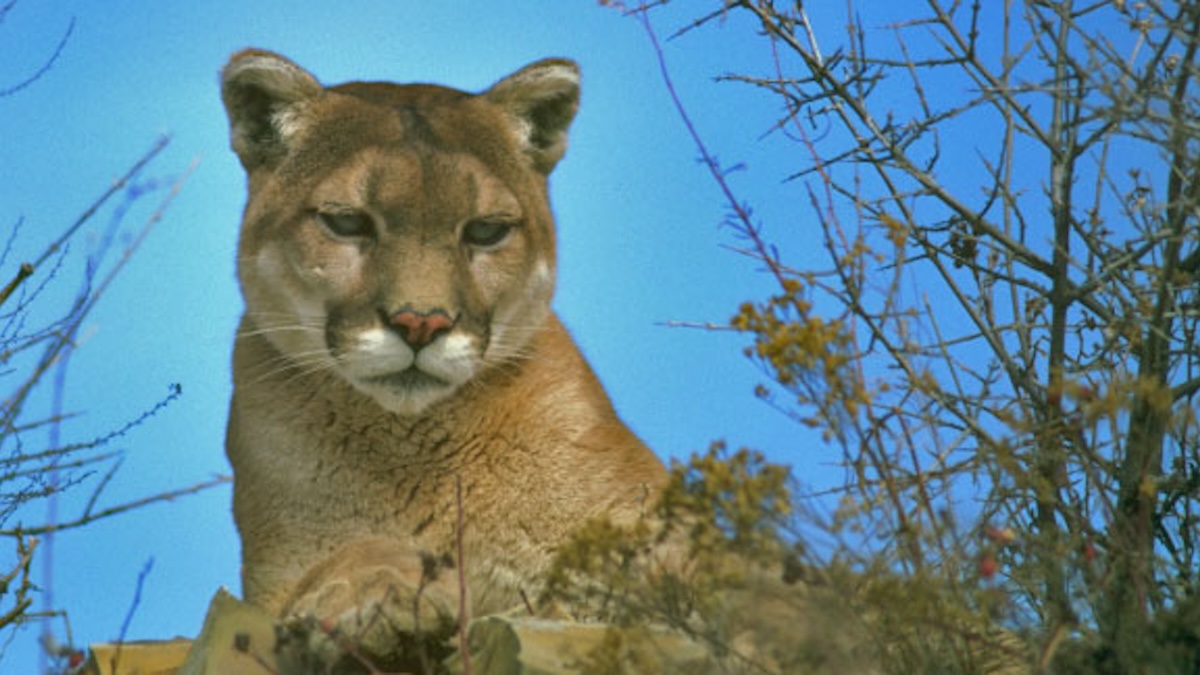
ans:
(399, 235)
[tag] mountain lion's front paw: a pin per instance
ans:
(371, 600)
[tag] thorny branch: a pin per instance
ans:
(1041, 177)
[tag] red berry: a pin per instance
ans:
(988, 566)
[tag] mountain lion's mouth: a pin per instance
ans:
(410, 379)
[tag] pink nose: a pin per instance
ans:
(418, 329)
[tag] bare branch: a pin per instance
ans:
(45, 68)
(168, 496)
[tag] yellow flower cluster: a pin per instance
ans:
(810, 356)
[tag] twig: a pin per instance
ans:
(706, 325)
(23, 273)
(117, 186)
(463, 617)
(45, 68)
(58, 466)
(108, 475)
(12, 405)
(528, 604)
(740, 212)
(25, 549)
(133, 246)
(174, 392)
(137, 600)
(122, 508)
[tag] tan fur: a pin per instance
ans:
(345, 471)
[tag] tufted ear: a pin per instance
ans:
(265, 96)
(541, 100)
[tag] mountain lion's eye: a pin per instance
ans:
(347, 224)
(485, 233)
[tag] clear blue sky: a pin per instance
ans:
(638, 221)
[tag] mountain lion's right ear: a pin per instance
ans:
(265, 97)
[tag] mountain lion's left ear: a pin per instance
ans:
(541, 100)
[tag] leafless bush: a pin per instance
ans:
(40, 322)
(1002, 346)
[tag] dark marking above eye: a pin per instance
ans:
(349, 224)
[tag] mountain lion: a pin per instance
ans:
(397, 260)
